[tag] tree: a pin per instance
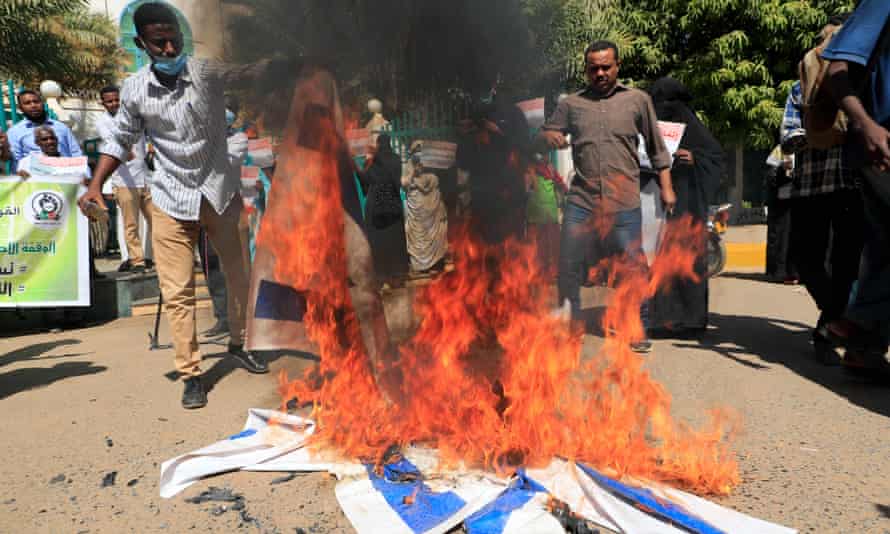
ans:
(738, 57)
(59, 40)
(404, 51)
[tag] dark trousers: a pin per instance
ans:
(623, 236)
(216, 280)
(826, 244)
(871, 305)
(779, 264)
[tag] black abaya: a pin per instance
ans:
(389, 247)
(684, 305)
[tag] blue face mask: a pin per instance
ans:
(171, 66)
(230, 117)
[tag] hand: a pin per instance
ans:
(492, 127)
(877, 144)
(669, 199)
(685, 156)
(4, 140)
(93, 195)
(24, 174)
(555, 140)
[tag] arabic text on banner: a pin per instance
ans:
(44, 259)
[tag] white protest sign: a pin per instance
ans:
(438, 154)
(534, 111)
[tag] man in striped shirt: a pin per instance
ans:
(178, 101)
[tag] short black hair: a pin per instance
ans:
(153, 13)
(839, 19)
(24, 92)
(108, 89)
(601, 45)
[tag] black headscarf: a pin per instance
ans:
(672, 102)
(388, 161)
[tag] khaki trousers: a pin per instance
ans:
(131, 202)
(174, 244)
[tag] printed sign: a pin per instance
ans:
(48, 166)
(249, 177)
(358, 140)
(261, 152)
(438, 154)
(44, 239)
(534, 111)
(671, 132)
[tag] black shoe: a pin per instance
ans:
(221, 328)
(193, 396)
(824, 350)
(149, 264)
(643, 346)
(254, 363)
(124, 267)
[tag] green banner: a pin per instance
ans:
(44, 259)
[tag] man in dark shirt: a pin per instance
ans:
(861, 52)
(605, 121)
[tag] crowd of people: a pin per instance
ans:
(172, 156)
(829, 187)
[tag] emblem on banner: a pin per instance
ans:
(47, 209)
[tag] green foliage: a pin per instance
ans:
(59, 40)
(738, 57)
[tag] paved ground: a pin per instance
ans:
(81, 404)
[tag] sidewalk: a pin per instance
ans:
(746, 248)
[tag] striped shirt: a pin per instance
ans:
(187, 127)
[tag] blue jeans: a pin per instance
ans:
(579, 237)
(871, 301)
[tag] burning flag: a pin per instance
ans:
(489, 378)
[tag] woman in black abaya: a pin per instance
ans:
(697, 171)
(382, 178)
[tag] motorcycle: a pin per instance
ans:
(718, 221)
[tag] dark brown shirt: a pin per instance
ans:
(605, 135)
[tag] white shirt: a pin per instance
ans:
(187, 126)
(133, 173)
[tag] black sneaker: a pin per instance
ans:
(644, 346)
(124, 267)
(221, 328)
(193, 396)
(254, 363)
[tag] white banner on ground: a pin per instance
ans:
(430, 501)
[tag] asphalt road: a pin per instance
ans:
(78, 405)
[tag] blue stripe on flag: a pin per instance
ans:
(656, 506)
(493, 517)
(243, 434)
(428, 508)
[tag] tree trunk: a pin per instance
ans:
(738, 190)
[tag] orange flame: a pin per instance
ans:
(492, 378)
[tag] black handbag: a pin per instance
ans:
(385, 205)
